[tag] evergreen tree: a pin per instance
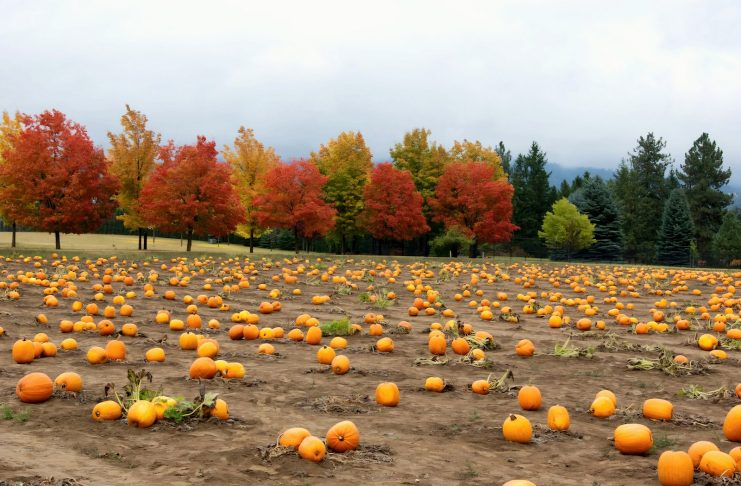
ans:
(565, 189)
(595, 201)
(702, 177)
(506, 157)
(533, 198)
(727, 240)
(641, 188)
(676, 234)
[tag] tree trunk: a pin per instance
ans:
(252, 240)
(57, 242)
(139, 230)
(146, 234)
(295, 240)
(12, 241)
(474, 249)
(190, 239)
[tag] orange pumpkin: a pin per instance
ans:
(34, 388)
(115, 350)
(313, 335)
(69, 381)
(142, 414)
(325, 355)
(387, 394)
(633, 439)
(481, 387)
(558, 418)
(525, 348)
(698, 449)
(96, 355)
(435, 384)
(293, 437)
(107, 410)
(340, 364)
(675, 468)
(717, 463)
(203, 368)
(23, 351)
(460, 346)
(437, 344)
(385, 345)
(529, 397)
(517, 428)
(312, 449)
(657, 409)
(343, 436)
(156, 355)
(732, 424)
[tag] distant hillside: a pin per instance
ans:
(560, 173)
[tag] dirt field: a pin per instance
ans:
(430, 438)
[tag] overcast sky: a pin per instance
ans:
(583, 78)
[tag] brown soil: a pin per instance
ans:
(452, 437)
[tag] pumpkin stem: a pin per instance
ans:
(512, 417)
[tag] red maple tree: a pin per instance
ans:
(392, 205)
(293, 200)
(191, 192)
(54, 178)
(467, 197)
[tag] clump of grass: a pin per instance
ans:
(662, 442)
(665, 362)
(340, 327)
(342, 289)
(21, 415)
(376, 299)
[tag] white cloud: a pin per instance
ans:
(583, 78)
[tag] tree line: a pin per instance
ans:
(427, 198)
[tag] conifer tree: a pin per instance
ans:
(595, 201)
(674, 243)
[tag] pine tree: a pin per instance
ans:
(595, 201)
(641, 188)
(702, 177)
(676, 233)
(727, 241)
(532, 199)
(506, 157)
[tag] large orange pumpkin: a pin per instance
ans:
(633, 439)
(293, 437)
(23, 351)
(343, 436)
(387, 394)
(69, 381)
(675, 468)
(529, 397)
(312, 449)
(732, 424)
(34, 388)
(204, 368)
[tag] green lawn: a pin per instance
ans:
(105, 245)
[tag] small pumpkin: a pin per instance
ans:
(558, 418)
(23, 351)
(34, 388)
(460, 346)
(298, 335)
(266, 348)
(220, 410)
(608, 394)
(69, 381)
(633, 439)
(385, 345)
(698, 449)
(529, 397)
(203, 368)
(293, 437)
(156, 355)
(602, 407)
(717, 463)
(115, 350)
(340, 364)
(312, 449)
(437, 344)
(96, 355)
(732, 424)
(525, 348)
(325, 355)
(675, 468)
(107, 410)
(519, 482)
(234, 371)
(435, 384)
(387, 394)
(188, 341)
(481, 387)
(517, 428)
(343, 436)
(142, 414)
(658, 409)
(313, 336)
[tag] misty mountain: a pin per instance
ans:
(559, 173)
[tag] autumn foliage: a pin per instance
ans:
(392, 205)
(293, 200)
(191, 192)
(470, 199)
(54, 179)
